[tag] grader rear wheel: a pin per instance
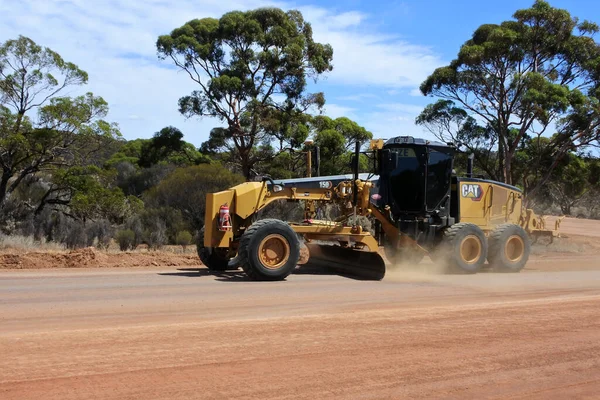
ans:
(269, 250)
(509, 248)
(463, 248)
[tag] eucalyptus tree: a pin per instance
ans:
(521, 79)
(248, 67)
(40, 130)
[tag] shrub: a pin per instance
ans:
(135, 224)
(186, 188)
(100, 231)
(183, 239)
(76, 235)
(155, 233)
(126, 239)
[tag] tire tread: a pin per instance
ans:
(252, 273)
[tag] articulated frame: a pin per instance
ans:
(248, 198)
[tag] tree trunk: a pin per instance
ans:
(507, 173)
(501, 157)
(245, 164)
(6, 175)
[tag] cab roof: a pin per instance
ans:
(415, 141)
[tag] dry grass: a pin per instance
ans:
(27, 243)
(568, 245)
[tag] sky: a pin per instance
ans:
(382, 52)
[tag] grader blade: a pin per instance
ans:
(345, 261)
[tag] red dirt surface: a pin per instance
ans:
(183, 333)
(91, 257)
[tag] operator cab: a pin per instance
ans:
(415, 179)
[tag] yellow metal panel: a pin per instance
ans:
(213, 237)
(514, 205)
(336, 233)
(376, 144)
(475, 199)
(487, 204)
(498, 209)
(248, 196)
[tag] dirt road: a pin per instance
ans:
(172, 334)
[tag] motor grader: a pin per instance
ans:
(417, 204)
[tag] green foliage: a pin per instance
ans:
(100, 232)
(518, 79)
(186, 188)
(450, 123)
(168, 146)
(126, 239)
(90, 194)
(336, 140)
(240, 63)
(183, 239)
(165, 147)
(130, 152)
(167, 218)
(40, 131)
(155, 235)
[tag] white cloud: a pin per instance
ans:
(336, 111)
(409, 109)
(347, 19)
(358, 97)
(395, 119)
(114, 41)
(364, 57)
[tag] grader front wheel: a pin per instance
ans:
(269, 250)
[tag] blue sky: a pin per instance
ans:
(382, 52)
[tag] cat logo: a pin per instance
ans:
(471, 191)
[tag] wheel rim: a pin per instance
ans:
(470, 249)
(514, 248)
(274, 251)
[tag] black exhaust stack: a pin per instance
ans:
(355, 170)
(317, 162)
(470, 165)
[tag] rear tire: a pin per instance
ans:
(269, 250)
(463, 248)
(509, 248)
(215, 259)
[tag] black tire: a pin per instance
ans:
(253, 250)
(510, 248)
(215, 259)
(463, 248)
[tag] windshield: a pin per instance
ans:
(438, 177)
(407, 179)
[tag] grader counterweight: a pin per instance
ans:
(417, 206)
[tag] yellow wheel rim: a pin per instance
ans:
(470, 249)
(514, 248)
(274, 251)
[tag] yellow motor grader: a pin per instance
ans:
(417, 205)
